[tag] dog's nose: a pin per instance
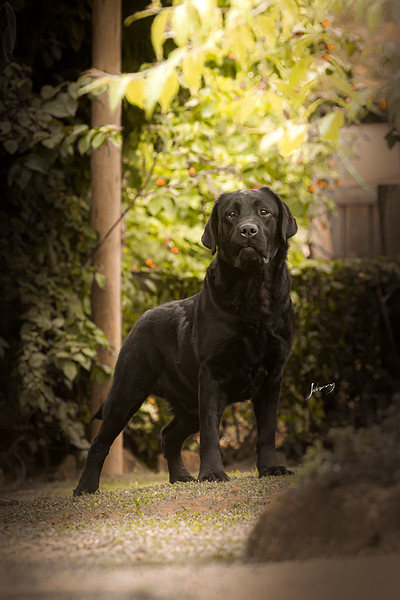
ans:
(248, 230)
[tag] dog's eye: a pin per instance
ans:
(232, 214)
(264, 212)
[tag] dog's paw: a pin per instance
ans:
(213, 475)
(276, 470)
(183, 478)
(86, 487)
(79, 491)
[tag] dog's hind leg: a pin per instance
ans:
(117, 413)
(173, 435)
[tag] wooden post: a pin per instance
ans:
(106, 208)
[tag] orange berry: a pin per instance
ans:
(330, 46)
(299, 160)
(331, 163)
(347, 100)
(339, 182)
(192, 170)
(382, 103)
(160, 181)
(174, 250)
(322, 183)
(134, 266)
(149, 263)
(326, 56)
(297, 89)
(325, 23)
(232, 56)
(312, 188)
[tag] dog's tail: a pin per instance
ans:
(98, 414)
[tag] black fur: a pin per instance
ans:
(227, 343)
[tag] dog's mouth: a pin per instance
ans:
(249, 258)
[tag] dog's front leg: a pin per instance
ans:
(212, 402)
(265, 408)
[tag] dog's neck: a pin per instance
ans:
(258, 289)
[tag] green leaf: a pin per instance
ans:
(274, 100)
(70, 370)
(300, 70)
(37, 360)
(192, 69)
(84, 142)
(160, 86)
(265, 27)
(270, 139)
(135, 92)
(292, 140)
(101, 280)
(239, 40)
(329, 126)
(62, 106)
(180, 23)
(158, 32)
(5, 127)
(170, 90)
(11, 146)
(205, 9)
(48, 91)
(98, 139)
(116, 91)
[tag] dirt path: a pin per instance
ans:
(149, 540)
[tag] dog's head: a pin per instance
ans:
(249, 227)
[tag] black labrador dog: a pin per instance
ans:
(227, 343)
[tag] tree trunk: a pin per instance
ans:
(106, 207)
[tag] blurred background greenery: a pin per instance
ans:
(216, 96)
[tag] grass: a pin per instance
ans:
(136, 520)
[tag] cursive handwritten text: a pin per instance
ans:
(317, 388)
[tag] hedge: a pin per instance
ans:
(347, 333)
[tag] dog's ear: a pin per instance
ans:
(288, 224)
(210, 236)
(287, 221)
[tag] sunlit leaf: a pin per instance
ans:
(170, 89)
(192, 69)
(158, 32)
(116, 91)
(205, 8)
(329, 126)
(135, 92)
(265, 27)
(181, 24)
(292, 140)
(270, 139)
(300, 70)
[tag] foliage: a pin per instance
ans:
(242, 94)
(333, 303)
(347, 333)
(45, 244)
(281, 76)
(267, 111)
(368, 453)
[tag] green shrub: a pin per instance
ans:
(347, 333)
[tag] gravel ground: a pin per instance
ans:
(130, 522)
(144, 539)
